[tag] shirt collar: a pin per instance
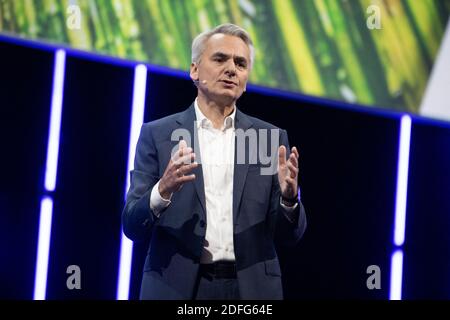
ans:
(204, 122)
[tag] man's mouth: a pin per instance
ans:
(228, 82)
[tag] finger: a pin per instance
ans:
(182, 144)
(170, 165)
(282, 155)
(295, 151)
(185, 160)
(292, 167)
(292, 170)
(293, 159)
(291, 183)
(184, 151)
(181, 147)
(177, 155)
(185, 169)
(186, 178)
(188, 158)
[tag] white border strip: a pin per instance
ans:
(436, 99)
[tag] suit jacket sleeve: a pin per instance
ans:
(286, 232)
(137, 217)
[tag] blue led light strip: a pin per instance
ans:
(55, 121)
(45, 219)
(402, 181)
(137, 118)
(395, 292)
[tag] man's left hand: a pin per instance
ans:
(288, 172)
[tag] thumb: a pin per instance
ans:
(282, 155)
(182, 145)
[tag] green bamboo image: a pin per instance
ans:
(316, 47)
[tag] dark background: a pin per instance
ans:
(348, 172)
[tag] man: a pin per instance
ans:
(212, 220)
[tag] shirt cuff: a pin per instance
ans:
(289, 211)
(158, 203)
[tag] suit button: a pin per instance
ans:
(202, 224)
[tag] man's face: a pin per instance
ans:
(223, 70)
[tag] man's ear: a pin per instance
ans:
(194, 72)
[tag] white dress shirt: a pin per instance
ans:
(217, 161)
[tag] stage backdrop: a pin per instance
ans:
(348, 176)
(361, 51)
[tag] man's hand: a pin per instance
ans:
(288, 172)
(175, 175)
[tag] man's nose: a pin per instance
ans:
(230, 69)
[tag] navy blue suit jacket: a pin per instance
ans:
(176, 237)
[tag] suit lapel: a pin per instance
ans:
(240, 170)
(187, 121)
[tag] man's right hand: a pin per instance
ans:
(175, 174)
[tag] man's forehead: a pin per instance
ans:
(227, 44)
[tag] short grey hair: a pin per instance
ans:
(199, 43)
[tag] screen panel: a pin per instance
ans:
(377, 53)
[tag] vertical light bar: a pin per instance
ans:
(55, 121)
(402, 180)
(395, 291)
(45, 225)
(45, 218)
(137, 118)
